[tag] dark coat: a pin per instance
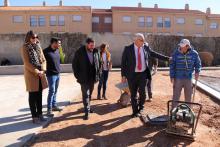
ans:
(128, 62)
(83, 70)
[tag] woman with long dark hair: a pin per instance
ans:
(106, 66)
(34, 74)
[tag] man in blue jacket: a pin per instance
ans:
(185, 61)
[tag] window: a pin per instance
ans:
(126, 33)
(41, 21)
(108, 20)
(180, 20)
(180, 34)
(198, 22)
(33, 21)
(77, 18)
(141, 21)
(163, 34)
(159, 22)
(95, 19)
(149, 21)
(18, 33)
(17, 19)
(148, 33)
(159, 33)
(198, 35)
(53, 20)
(213, 25)
(166, 34)
(126, 18)
(61, 20)
(167, 22)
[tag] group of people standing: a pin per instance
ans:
(41, 69)
(135, 70)
(91, 65)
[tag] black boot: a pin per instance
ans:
(99, 97)
(104, 96)
(86, 117)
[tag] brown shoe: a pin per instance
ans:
(149, 100)
(104, 97)
(98, 97)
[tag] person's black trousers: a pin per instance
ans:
(87, 90)
(137, 84)
(103, 82)
(35, 102)
(149, 88)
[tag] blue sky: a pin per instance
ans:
(194, 4)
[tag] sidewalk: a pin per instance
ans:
(15, 119)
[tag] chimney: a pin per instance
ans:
(61, 3)
(155, 5)
(208, 11)
(6, 3)
(44, 3)
(187, 7)
(139, 5)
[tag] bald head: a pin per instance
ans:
(139, 39)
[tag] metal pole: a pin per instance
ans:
(194, 91)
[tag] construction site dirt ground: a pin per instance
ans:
(111, 125)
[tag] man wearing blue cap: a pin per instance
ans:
(185, 61)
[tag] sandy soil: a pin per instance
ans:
(111, 125)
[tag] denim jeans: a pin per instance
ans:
(103, 82)
(53, 82)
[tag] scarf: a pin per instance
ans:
(34, 52)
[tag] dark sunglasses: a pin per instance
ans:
(34, 37)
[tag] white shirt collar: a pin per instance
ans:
(137, 47)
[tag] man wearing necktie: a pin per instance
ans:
(135, 70)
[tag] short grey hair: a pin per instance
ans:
(138, 36)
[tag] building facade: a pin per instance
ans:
(117, 20)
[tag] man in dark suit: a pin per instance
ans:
(87, 70)
(135, 70)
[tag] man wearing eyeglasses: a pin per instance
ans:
(135, 70)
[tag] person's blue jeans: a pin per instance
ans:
(53, 82)
(103, 82)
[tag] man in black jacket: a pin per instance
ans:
(87, 67)
(135, 70)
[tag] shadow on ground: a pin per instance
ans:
(131, 136)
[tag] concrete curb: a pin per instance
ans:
(208, 90)
(18, 69)
(67, 68)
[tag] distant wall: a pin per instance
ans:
(11, 43)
